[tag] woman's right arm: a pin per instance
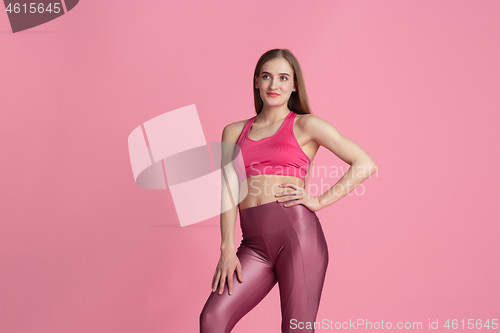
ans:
(228, 261)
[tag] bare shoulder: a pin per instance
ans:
(326, 135)
(321, 131)
(232, 131)
(311, 124)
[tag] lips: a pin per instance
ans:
(273, 94)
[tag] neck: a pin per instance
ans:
(270, 115)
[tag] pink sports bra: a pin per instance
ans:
(278, 154)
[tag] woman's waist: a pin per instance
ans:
(263, 189)
(273, 216)
(255, 201)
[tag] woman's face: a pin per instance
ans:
(275, 82)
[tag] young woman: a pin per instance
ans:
(283, 241)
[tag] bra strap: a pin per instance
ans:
(248, 124)
(245, 129)
(290, 121)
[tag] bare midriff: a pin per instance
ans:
(263, 189)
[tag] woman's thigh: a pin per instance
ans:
(301, 267)
(222, 312)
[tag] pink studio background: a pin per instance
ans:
(414, 83)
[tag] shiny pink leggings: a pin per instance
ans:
(280, 244)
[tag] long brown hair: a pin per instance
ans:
(298, 101)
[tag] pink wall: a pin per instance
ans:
(414, 83)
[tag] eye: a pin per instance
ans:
(284, 77)
(264, 76)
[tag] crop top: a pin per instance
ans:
(278, 154)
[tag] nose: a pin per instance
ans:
(274, 84)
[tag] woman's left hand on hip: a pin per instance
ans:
(298, 195)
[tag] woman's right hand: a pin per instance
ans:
(228, 263)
